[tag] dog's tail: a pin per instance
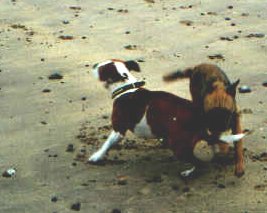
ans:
(178, 75)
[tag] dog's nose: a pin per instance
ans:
(95, 65)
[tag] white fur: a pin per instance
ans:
(142, 129)
(122, 69)
(113, 138)
(188, 172)
(95, 70)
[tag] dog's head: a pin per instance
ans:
(220, 107)
(113, 71)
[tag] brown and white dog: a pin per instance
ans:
(149, 114)
(214, 94)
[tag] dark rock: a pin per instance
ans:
(115, 211)
(130, 47)
(256, 35)
(83, 98)
(75, 8)
(46, 90)
(43, 122)
(65, 22)
(70, 148)
(84, 37)
(230, 7)
(66, 37)
(216, 56)
(227, 19)
(76, 206)
(54, 199)
(187, 22)
(244, 89)
(246, 111)
(42, 59)
(264, 83)
(55, 76)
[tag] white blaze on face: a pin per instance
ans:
(123, 71)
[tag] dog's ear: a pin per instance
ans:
(132, 65)
(232, 88)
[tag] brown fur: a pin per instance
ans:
(213, 93)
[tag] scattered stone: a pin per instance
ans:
(244, 89)
(122, 180)
(212, 13)
(42, 59)
(260, 187)
(104, 116)
(122, 11)
(55, 76)
(230, 7)
(110, 8)
(84, 37)
(83, 98)
(264, 84)
(256, 35)
(150, 1)
(246, 111)
(186, 22)
(11, 172)
(216, 56)
(54, 199)
(227, 19)
(245, 14)
(66, 37)
(75, 8)
(116, 211)
(233, 24)
(127, 32)
(46, 90)
(76, 206)
(130, 47)
(70, 148)
(43, 122)
(65, 22)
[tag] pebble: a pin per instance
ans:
(66, 37)
(54, 199)
(264, 83)
(55, 76)
(244, 89)
(76, 206)
(122, 180)
(116, 211)
(70, 148)
(11, 172)
(221, 186)
(46, 90)
(256, 35)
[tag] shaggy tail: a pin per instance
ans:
(178, 75)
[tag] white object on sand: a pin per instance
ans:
(188, 172)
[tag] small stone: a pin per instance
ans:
(246, 111)
(42, 59)
(130, 47)
(55, 76)
(230, 7)
(65, 22)
(46, 90)
(116, 211)
(256, 35)
(187, 22)
(227, 19)
(264, 83)
(76, 206)
(70, 148)
(43, 122)
(244, 89)
(66, 37)
(83, 98)
(54, 199)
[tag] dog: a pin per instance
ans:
(214, 94)
(151, 114)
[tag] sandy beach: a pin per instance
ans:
(42, 117)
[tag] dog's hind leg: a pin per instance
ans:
(112, 139)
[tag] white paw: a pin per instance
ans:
(97, 156)
(188, 172)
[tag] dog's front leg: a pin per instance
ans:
(112, 139)
(239, 155)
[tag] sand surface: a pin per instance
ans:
(40, 117)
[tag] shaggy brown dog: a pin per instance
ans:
(214, 94)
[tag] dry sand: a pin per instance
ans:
(139, 176)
